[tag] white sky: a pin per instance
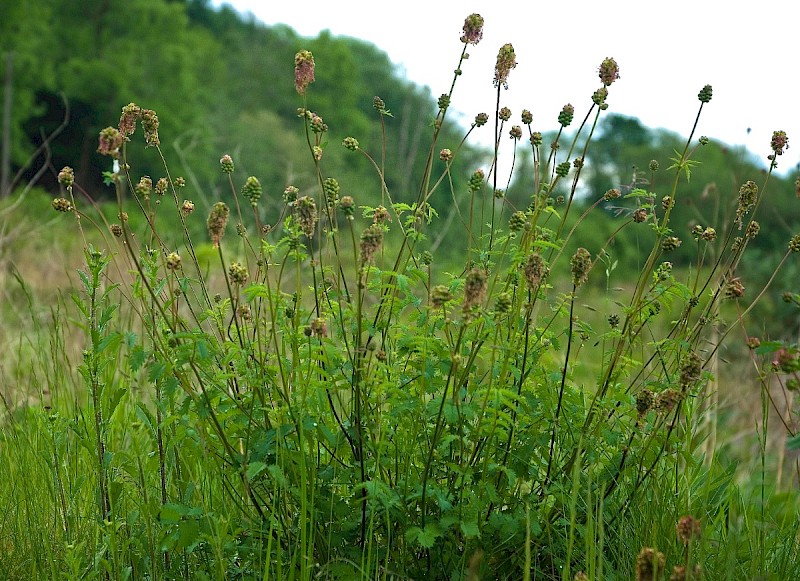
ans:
(666, 51)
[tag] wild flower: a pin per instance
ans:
(506, 60)
(303, 70)
(650, 564)
(608, 71)
(580, 265)
(687, 529)
(305, 212)
(226, 164)
(473, 29)
(217, 221)
(109, 142)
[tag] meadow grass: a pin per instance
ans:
(315, 394)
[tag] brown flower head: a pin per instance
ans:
(779, 142)
(109, 142)
(580, 263)
(371, 240)
(150, 126)
(305, 212)
(506, 60)
(474, 289)
(66, 177)
(217, 221)
(609, 71)
(691, 370)
(131, 113)
(687, 528)
(649, 564)
(473, 29)
(535, 270)
(303, 70)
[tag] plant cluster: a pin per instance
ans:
(325, 399)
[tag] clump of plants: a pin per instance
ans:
(326, 399)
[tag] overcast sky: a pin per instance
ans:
(666, 51)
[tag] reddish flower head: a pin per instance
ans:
(303, 70)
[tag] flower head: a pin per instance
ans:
(109, 142)
(609, 71)
(473, 29)
(779, 142)
(217, 221)
(303, 70)
(581, 263)
(66, 177)
(305, 212)
(506, 60)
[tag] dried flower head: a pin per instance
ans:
(144, 187)
(506, 60)
(502, 303)
(173, 261)
(516, 132)
(381, 215)
(779, 142)
(644, 402)
(440, 295)
(473, 29)
(734, 289)
(612, 194)
(305, 212)
(667, 400)
(474, 289)
(237, 273)
(161, 186)
(670, 243)
(446, 155)
(504, 114)
(303, 71)
(687, 528)
(639, 215)
(371, 240)
(116, 230)
(691, 370)
(66, 177)
(62, 205)
(748, 195)
(319, 328)
(109, 142)
(527, 117)
(536, 138)
(131, 113)
(608, 71)
(482, 118)
(752, 230)
(150, 127)
(649, 564)
(217, 221)
(187, 207)
(535, 270)
(580, 265)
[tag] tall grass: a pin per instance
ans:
(325, 399)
